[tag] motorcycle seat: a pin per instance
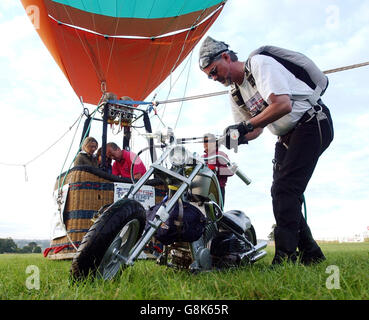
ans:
(237, 220)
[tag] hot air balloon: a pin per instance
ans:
(125, 47)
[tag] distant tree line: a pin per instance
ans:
(9, 246)
(271, 234)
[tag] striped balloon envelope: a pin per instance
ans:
(127, 47)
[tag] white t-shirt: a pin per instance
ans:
(272, 77)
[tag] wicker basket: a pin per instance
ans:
(89, 190)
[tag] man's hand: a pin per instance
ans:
(235, 134)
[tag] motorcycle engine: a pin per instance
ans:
(226, 243)
(225, 249)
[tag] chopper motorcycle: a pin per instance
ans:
(197, 234)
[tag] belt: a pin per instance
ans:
(314, 112)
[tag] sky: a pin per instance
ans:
(39, 106)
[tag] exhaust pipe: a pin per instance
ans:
(258, 256)
(253, 254)
(259, 246)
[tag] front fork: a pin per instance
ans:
(162, 214)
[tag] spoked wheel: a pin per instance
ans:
(107, 244)
(119, 250)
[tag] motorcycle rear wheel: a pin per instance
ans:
(117, 230)
(251, 235)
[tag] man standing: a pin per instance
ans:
(271, 96)
(123, 162)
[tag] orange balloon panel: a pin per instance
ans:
(131, 67)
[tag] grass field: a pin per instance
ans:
(344, 275)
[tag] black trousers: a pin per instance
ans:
(296, 155)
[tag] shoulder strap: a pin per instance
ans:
(235, 92)
(301, 66)
(236, 96)
(249, 77)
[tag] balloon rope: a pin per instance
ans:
(41, 153)
(185, 90)
(194, 25)
(207, 95)
(353, 66)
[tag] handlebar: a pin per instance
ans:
(242, 176)
(233, 167)
(220, 140)
(233, 139)
(150, 135)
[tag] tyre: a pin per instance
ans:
(251, 235)
(117, 230)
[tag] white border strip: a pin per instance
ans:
(136, 37)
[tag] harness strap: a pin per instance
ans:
(249, 77)
(312, 98)
(319, 116)
(314, 112)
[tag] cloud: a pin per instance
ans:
(7, 5)
(13, 31)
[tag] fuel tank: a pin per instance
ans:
(206, 187)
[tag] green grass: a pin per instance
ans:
(149, 281)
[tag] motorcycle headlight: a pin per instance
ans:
(178, 156)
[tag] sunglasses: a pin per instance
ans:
(213, 72)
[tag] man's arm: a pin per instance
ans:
(279, 106)
(254, 134)
(115, 170)
(271, 81)
(139, 168)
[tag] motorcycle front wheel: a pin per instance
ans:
(109, 241)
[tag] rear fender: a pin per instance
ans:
(237, 220)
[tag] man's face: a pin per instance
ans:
(220, 70)
(114, 154)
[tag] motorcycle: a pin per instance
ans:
(210, 239)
